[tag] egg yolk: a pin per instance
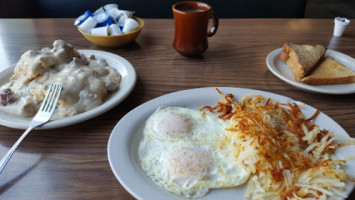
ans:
(187, 164)
(172, 125)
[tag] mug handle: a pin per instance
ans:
(214, 27)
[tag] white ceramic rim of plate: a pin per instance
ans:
(128, 80)
(337, 89)
(124, 139)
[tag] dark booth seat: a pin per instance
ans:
(151, 9)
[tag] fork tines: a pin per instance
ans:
(51, 99)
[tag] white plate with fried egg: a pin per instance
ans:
(125, 144)
(280, 69)
(127, 82)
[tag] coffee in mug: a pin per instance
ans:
(191, 23)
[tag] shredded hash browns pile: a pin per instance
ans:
(288, 155)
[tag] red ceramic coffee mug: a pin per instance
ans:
(191, 24)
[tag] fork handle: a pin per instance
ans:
(11, 151)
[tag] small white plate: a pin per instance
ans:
(128, 80)
(124, 141)
(281, 70)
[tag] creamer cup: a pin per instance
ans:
(102, 31)
(98, 11)
(82, 18)
(88, 24)
(130, 25)
(115, 29)
(340, 25)
(124, 15)
(128, 13)
(108, 7)
(120, 16)
(103, 19)
(121, 20)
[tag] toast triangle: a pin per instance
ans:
(301, 59)
(328, 72)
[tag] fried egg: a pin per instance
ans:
(180, 152)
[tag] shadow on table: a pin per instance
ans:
(214, 53)
(9, 184)
(133, 46)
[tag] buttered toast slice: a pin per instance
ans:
(328, 72)
(301, 59)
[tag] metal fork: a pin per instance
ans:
(43, 115)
